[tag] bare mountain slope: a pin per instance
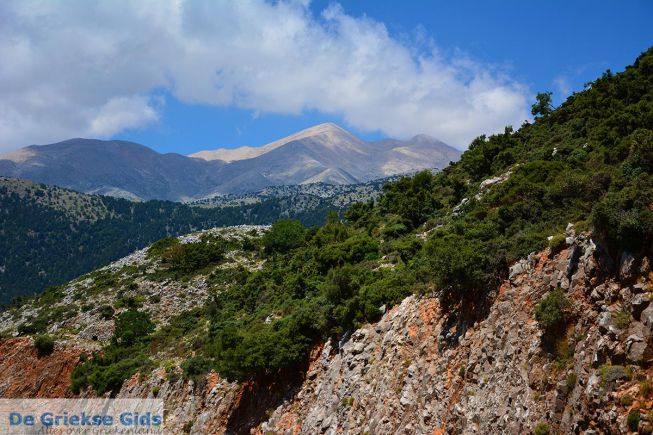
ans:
(116, 168)
(329, 154)
(325, 153)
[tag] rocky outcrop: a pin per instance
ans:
(26, 374)
(400, 376)
(422, 370)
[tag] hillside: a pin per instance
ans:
(399, 373)
(325, 153)
(50, 234)
(307, 202)
(509, 292)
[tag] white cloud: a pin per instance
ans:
(120, 113)
(88, 68)
(562, 86)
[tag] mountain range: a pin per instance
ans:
(324, 153)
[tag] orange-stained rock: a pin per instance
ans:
(25, 374)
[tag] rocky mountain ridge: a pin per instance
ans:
(419, 369)
(322, 154)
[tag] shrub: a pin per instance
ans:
(411, 198)
(196, 367)
(626, 400)
(160, 246)
(460, 265)
(571, 380)
(186, 258)
(550, 312)
(37, 325)
(284, 236)
(347, 401)
(132, 326)
(624, 218)
(122, 358)
(44, 345)
(611, 374)
(621, 319)
(646, 389)
(541, 429)
(106, 312)
(633, 420)
(557, 243)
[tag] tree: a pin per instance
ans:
(550, 312)
(132, 326)
(44, 345)
(285, 235)
(544, 105)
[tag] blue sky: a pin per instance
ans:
(370, 66)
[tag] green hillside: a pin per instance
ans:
(50, 235)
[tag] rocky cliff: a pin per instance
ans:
(421, 369)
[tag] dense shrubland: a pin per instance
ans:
(588, 162)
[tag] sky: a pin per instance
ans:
(184, 76)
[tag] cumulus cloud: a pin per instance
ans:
(90, 69)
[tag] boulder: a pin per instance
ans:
(598, 293)
(638, 349)
(646, 318)
(626, 265)
(638, 304)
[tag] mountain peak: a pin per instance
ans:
(332, 132)
(322, 153)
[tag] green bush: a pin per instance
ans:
(621, 319)
(646, 389)
(160, 246)
(131, 327)
(572, 378)
(44, 345)
(626, 400)
(611, 374)
(185, 258)
(460, 266)
(624, 218)
(347, 401)
(196, 367)
(633, 420)
(557, 243)
(411, 198)
(106, 312)
(122, 358)
(284, 236)
(550, 312)
(541, 429)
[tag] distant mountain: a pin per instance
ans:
(322, 154)
(329, 154)
(115, 168)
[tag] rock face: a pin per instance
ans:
(325, 153)
(25, 374)
(422, 370)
